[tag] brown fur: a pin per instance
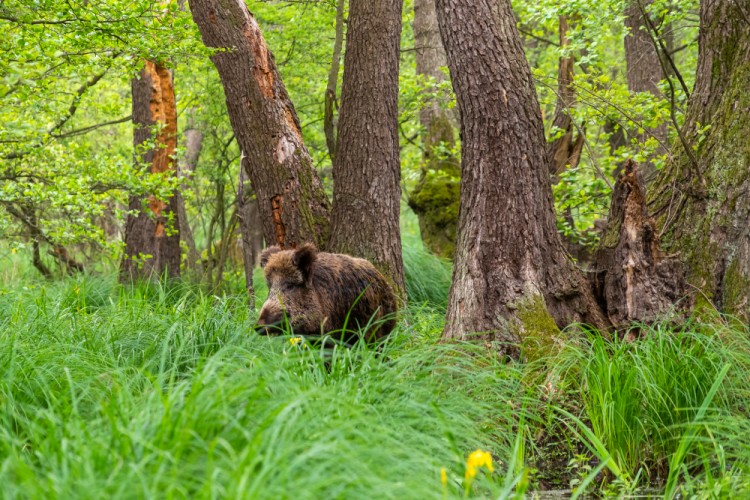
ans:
(316, 291)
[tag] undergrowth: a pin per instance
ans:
(165, 391)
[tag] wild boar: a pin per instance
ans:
(320, 292)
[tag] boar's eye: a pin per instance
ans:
(288, 286)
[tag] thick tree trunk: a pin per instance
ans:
(152, 236)
(435, 197)
(512, 279)
(644, 69)
(292, 203)
(367, 169)
(702, 200)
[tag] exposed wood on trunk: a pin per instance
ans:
(565, 150)
(367, 168)
(512, 279)
(152, 239)
(435, 197)
(702, 199)
(634, 280)
(292, 203)
(329, 118)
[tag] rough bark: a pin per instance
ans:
(634, 280)
(436, 195)
(565, 149)
(329, 118)
(152, 237)
(250, 232)
(292, 203)
(367, 169)
(644, 69)
(702, 200)
(512, 280)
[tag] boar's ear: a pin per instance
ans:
(304, 257)
(267, 253)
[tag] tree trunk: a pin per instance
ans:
(644, 70)
(512, 280)
(250, 231)
(566, 148)
(329, 118)
(633, 278)
(702, 200)
(564, 151)
(435, 197)
(367, 169)
(193, 146)
(152, 236)
(292, 203)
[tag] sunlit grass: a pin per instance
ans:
(165, 390)
(157, 391)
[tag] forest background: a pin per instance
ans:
(109, 387)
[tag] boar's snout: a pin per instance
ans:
(269, 321)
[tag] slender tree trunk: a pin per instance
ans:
(644, 69)
(512, 280)
(565, 149)
(193, 146)
(292, 203)
(367, 169)
(30, 218)
(152, 237)
(250, 231)
(329, 118)
(702, 200)
(435, 197)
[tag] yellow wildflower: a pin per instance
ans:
(443, 476)
(295, 340)
(476, 460)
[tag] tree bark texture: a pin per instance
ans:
(633, 278)
(702, 200)
(367, 169)
(292, 203)
(152, 230)
(566, 148)
(644, 69)
(435, 198)
(512, 279)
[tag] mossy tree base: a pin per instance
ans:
(702, 200)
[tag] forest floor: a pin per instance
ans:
(166, 391)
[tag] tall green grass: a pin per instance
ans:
(166, 391)
(660, 406)
(160, 391)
